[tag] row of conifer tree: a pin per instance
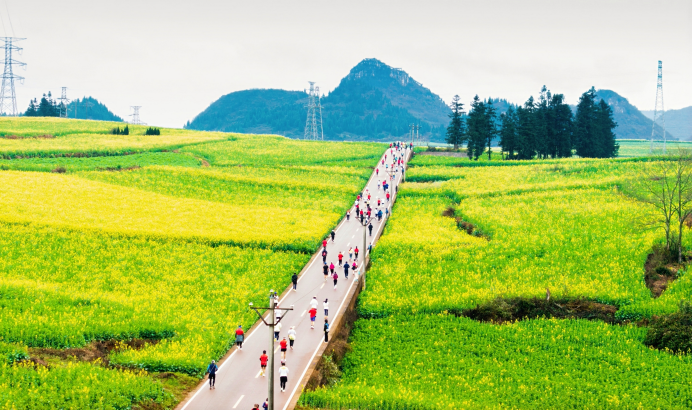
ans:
(542, 128)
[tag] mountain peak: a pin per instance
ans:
(372, 67)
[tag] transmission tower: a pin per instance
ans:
(659, 110)
(314, 121)
(136, 115)
(8, 98)
(64, 101)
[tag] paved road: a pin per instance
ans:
(239, 384)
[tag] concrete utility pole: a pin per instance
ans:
(270, 322)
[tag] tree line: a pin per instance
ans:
(47, 107)
(542, 128)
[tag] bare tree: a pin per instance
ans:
(667, 188)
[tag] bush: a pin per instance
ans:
(118, 131)
(671, 332)
(152, 131)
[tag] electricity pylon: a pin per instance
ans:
(314, 120)
(8, 98)
(659, 109)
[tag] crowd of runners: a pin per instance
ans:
(368, 207)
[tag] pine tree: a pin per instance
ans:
(542, 137)
(586, 128)
(490, 125)
(606, 139)
(508, 132)
(476, 133)
(526, 130)
(560, 128)
(32, 111)
(456, 133)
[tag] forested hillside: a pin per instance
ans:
(373, 102)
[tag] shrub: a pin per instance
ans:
(671, 332)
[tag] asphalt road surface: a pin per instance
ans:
(239, 384)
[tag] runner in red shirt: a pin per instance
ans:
(263, 362)
(239, 337)
(340, 257)
(313, 312)
(356, 252)
(387, 196)
(282, 346)
(324, 243)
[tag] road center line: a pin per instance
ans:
(239, 401)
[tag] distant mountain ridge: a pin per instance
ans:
(373, 102)
(95, 111)
(677, 122)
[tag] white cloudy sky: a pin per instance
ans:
(175, 57)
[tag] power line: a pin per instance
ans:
(8, 98)
(8, 17)
(659, 109)
(314, 120)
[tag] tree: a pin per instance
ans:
(32, 111)
(490, 125)
(526, 130)
(606, 139)
(585, 125)
(508, 132)
(560, 128)
(542, 138)
(666, 186)
(456, 133)
(476, 129)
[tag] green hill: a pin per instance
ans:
(677, 122)
(96, 111)
(373, 102)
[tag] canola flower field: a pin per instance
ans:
(564, 225)
(167, 247)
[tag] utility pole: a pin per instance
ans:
(270, 322)
(313, 129)
(659, 109)
(8, 98)
(64, 101)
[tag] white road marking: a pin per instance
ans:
(323, 285)
(258, 374)
(276, 350)
(304, 312)
(239, 401)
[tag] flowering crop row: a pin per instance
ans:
(446, 362)
(112, 162)
(93, 286)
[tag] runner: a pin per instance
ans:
(263, 362)
(326, 307)
(332, 234)
(370, 229)
(326, 328)
(356, 252)
(334, 278)
(348, 214)
(313, 312)
(277, 329)
(325, 268)
(294, 281)
(346, 270)
(380, 214)
(324, 255)
(387, 197)
(283, 376)
(314, 302)
(351, 252)
(340, 257)
(324, 243)
(282, 346)
(212, 370)
(370, 247)
(377, 171)
(331, 267)
(239, 337)
(292, 336)
(265, 405)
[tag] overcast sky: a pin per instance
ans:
(174, 57)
